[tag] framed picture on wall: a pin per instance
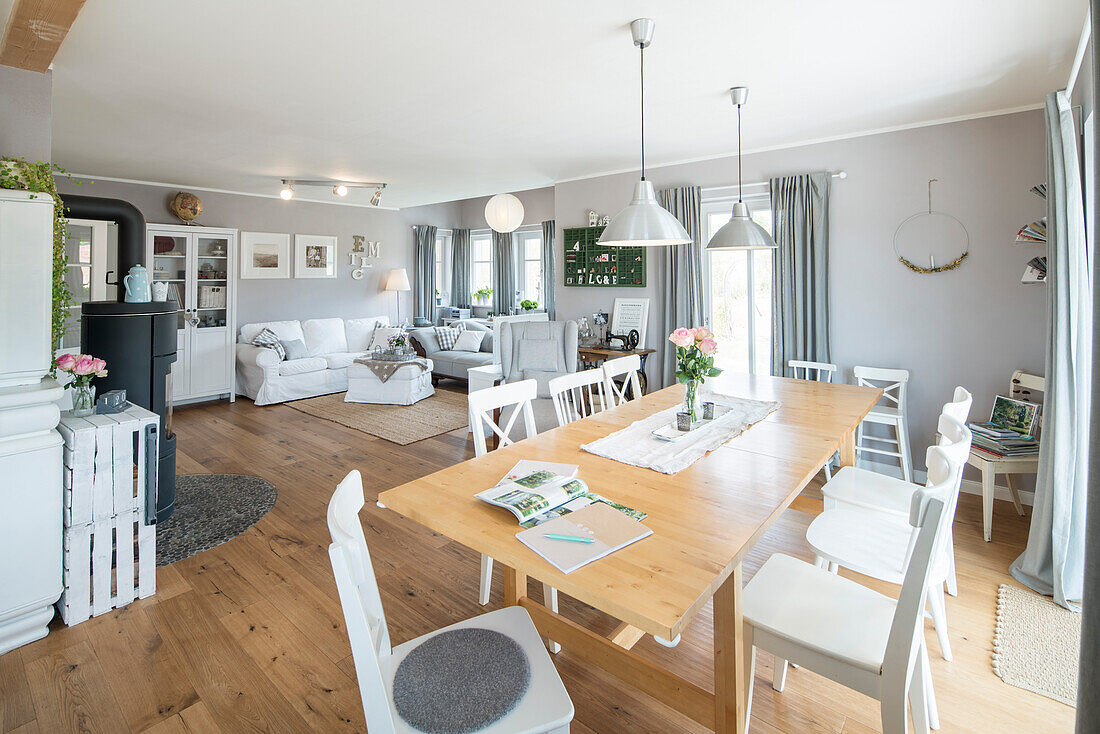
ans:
(630, 313)
(314, 256)
(265, 255)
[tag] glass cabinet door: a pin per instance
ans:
(211, 281)
(170, 266)
(85, 260)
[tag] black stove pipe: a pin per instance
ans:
(131, 227)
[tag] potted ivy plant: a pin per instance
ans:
(37, 178)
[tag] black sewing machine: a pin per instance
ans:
(628, 341)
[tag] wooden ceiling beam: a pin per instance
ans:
(35, 30)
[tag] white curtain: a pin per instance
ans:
(1053, 562)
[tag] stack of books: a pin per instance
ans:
(1002, 443)
(1033, 234)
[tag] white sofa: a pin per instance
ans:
(333, 344)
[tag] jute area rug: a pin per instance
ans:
(1036, 644)
(402, 424)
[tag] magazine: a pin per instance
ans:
(534, 493)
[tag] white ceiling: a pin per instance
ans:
(446, 100)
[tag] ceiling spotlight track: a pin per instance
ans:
(339, 188)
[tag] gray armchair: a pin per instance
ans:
(538, 350)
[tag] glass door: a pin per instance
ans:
(211, 281)
(85, 272)
(737, 289)
(170, 266)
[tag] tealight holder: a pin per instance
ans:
(683, 421)
(708, 411)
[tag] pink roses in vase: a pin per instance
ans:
(695, 350)
(82, 367)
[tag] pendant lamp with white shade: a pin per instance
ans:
(740, 232)
(504, 213)
(644, 222)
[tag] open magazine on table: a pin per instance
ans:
(536, 492)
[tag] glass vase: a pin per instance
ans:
(691, 399)
(83, 400)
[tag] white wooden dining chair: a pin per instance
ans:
(1022, 387)
(815, 372)
(483, 403)
(879, 544)
(627, 367)
(575, 396)
(871, 490)
(890, 413)
(545, 707)
(848, 633)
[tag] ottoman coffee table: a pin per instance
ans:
(389, 383)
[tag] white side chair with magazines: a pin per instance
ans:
(459, 678)
(1023, 387)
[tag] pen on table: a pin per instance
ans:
(574, 538)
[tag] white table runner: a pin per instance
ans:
(636, 445)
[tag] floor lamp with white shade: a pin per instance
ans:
(398, 281)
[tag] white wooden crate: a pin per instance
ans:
(106, 539)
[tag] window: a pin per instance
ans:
(737, 291)
(529, 274)
(442, 267)
(481, 261)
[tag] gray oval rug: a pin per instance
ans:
(461, 681)
(211, 509)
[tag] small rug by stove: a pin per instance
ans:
(1036, 644)
(401, 424)
(211, 509)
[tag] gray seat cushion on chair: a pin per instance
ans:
(538, 349)
(461, 681)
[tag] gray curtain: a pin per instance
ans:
(460, 268)
(504, 272)
(681, 276)
(549, 243)
(424, 263)
(800, 277)
(1053, 562)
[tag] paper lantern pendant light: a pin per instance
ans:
(504, 213)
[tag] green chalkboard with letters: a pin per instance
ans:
(588, 263)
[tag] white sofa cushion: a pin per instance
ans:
(339, 360)
(302, 366)
(324, 336)
(382, 336)
(285, 330)
(468, 341)
(359, 332)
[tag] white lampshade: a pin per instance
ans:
(741, 233)
(504, 213)
(644, 223)
(398, 280)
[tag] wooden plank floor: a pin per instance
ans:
(249, 636)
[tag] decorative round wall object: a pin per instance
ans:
(931, 234)
(186, 206)
(504, 213)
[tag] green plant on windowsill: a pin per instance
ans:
(528, 305)
(37, 178)
(483, 294)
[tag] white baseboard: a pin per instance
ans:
(970, 486)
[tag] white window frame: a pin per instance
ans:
(522, 263)
(443, 264)
(721, 200)
(476, 236)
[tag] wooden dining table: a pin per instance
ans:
(704, 520)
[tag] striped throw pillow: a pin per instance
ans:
(268, 340)
(448, 335)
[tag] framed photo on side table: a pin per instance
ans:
(265, 255)
(630, 313)
(314, 256)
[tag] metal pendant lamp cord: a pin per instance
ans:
(738, 153)
(641, 72)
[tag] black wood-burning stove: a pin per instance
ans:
(138, 340)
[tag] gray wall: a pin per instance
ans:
(25, 113)
(969, 327)
(291, 298)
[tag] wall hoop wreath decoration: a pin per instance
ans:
(933, 225)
